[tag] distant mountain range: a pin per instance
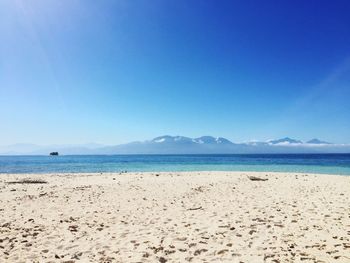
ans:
(184, 145)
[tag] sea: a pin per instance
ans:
(296, 163)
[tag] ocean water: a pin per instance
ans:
(303, 163)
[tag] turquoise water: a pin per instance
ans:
(303, 163)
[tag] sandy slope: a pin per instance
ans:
(175, 217)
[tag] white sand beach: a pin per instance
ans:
(175, 217)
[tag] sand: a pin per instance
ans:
(175, 217)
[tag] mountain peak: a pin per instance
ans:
(317, 141)
(204, 139)
(169, 139)
(285, 140)
(211, 140)
(199, 140)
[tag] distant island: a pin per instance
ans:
(167, 144)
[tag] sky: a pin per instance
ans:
(111, 72)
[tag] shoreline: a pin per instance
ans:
(232, 172)
(315, 164)
(212, 216)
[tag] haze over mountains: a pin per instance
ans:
(184, 145)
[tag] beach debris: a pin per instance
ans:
(73, 228)
(254, 178)
(195, 208)
(251, 232)
(199, 251)
(28, 181)
(223, 251)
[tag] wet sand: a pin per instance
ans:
(175, 217)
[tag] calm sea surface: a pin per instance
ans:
(305, 163)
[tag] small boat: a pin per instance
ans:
(54, 153)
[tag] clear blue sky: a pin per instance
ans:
(118, 71)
